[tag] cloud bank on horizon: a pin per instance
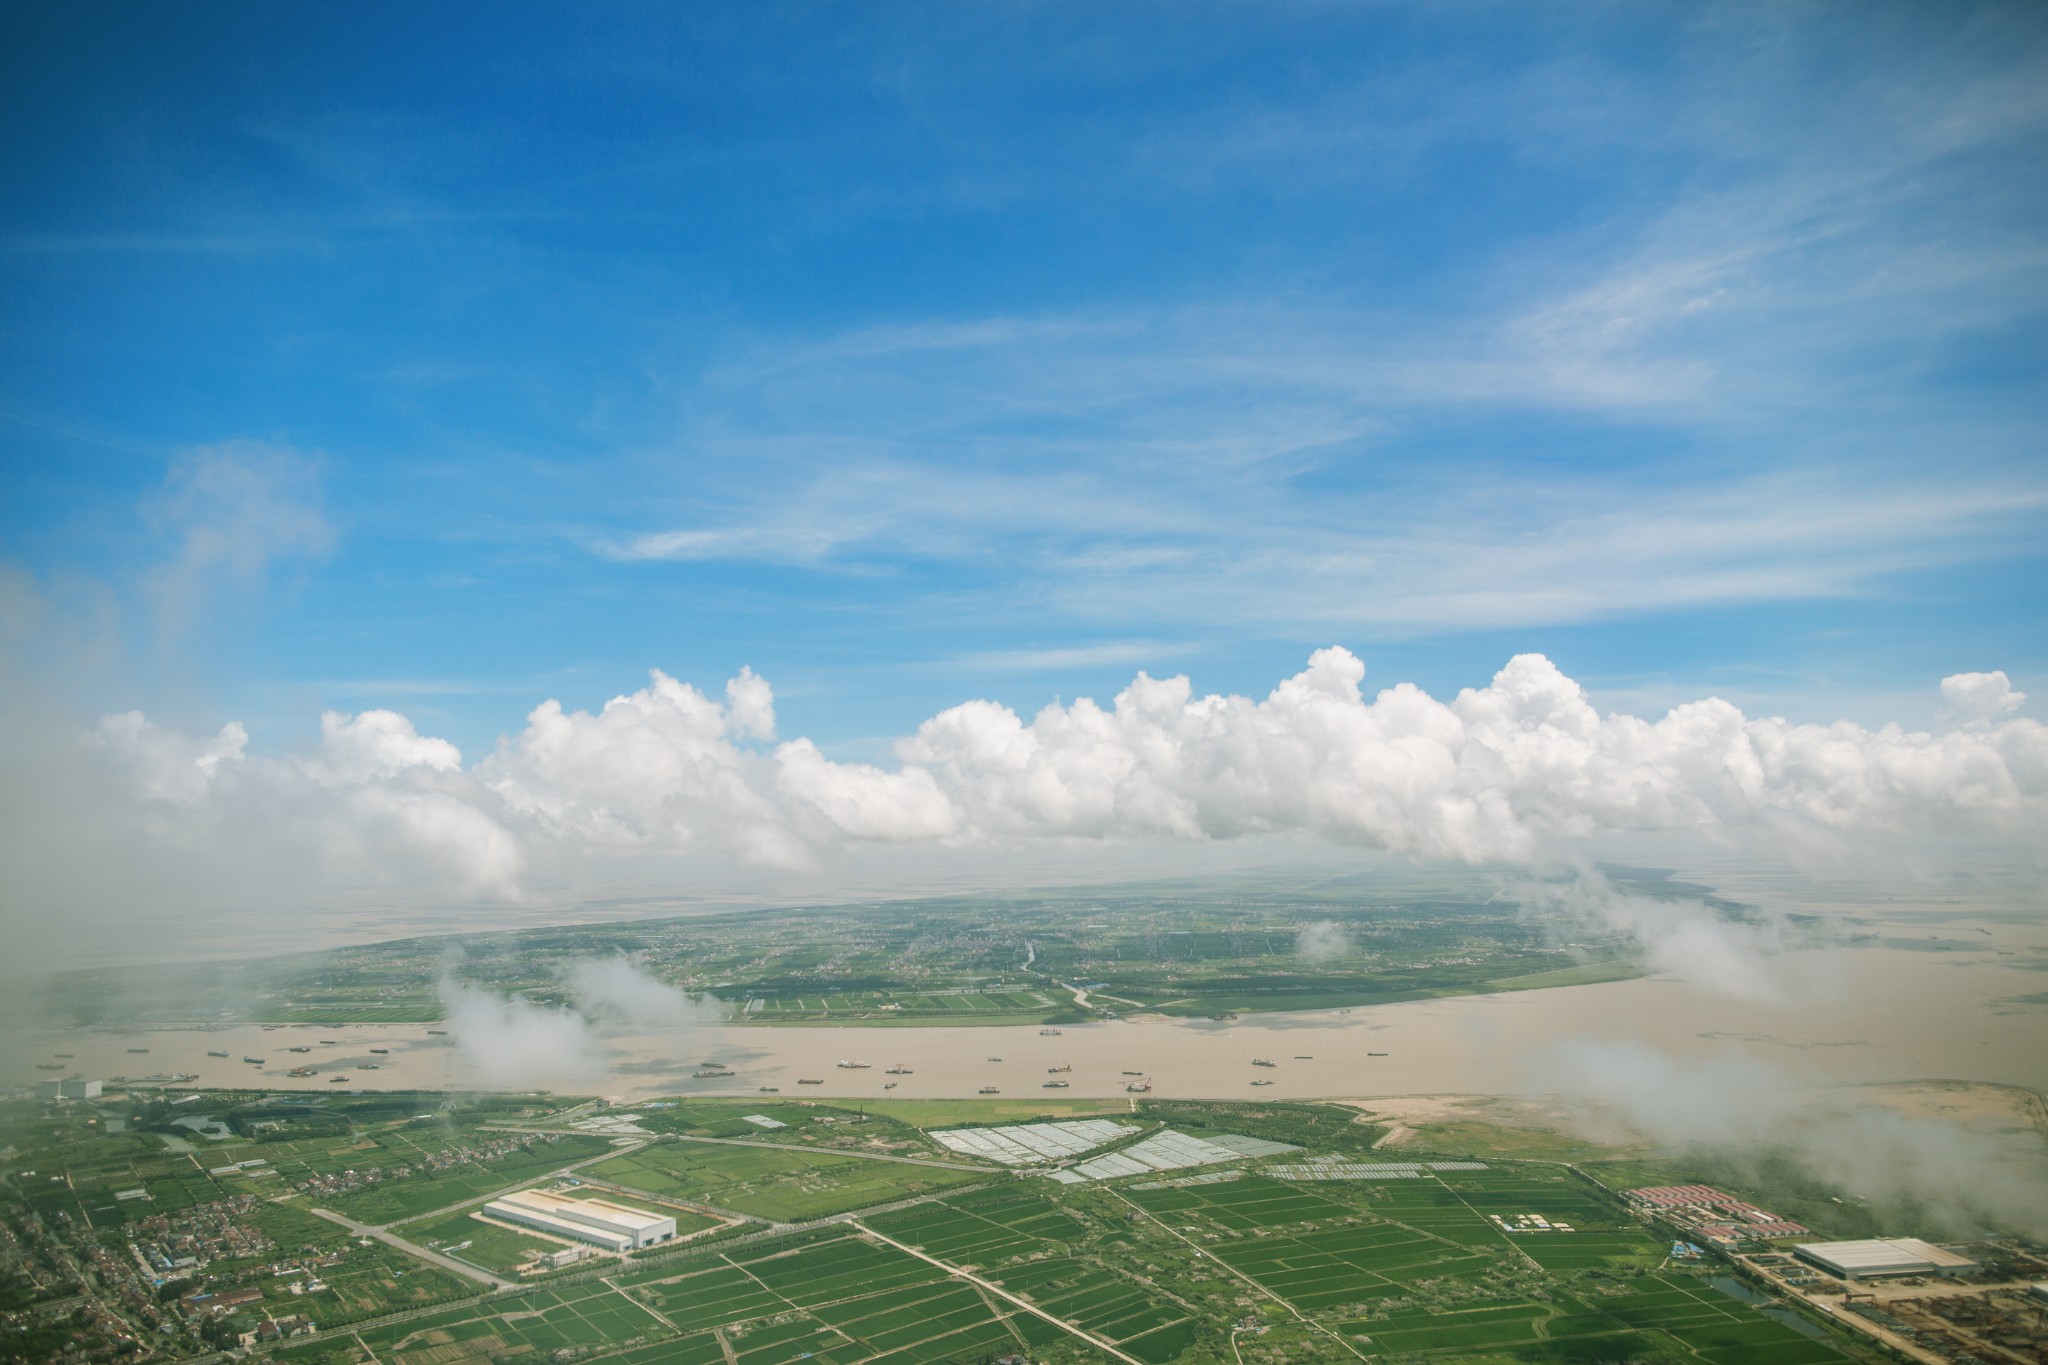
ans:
(1519, 772)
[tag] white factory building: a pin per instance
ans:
(70, 1088)
(611, 1226)
(1877, 1257)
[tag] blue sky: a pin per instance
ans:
(355, 357)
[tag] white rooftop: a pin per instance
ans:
(1896, 1254)
(1026, 1143)
(1167, 1150)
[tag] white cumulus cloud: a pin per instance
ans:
(1523, 771)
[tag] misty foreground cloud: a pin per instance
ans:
(1518, 771)
(1918, 1171)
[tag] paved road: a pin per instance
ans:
(502, 1191)
(752, 1142)
(979, 1283)
(391, 1238)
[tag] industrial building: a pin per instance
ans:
(70, 1088)
(598, 1221)
(1877, 1258)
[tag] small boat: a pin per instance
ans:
(888, 1085)
(1061, 1069)
(1138, 1087)
(211, 1053)
(298, 1049)
(336, 1080)
(253, 1061)
(806, 1080)
(138, 1049)
(988, 1090)
(995, 1059)
(853, 1066)
(1375, 1054)
(49, 1066)
(771, 1090)
(1261, 1061)
(898, 1070)
(1261, 1082)
(60, 1054)
(1134, 1073)
(1048, 1033)
(381, 1051)
(1055, 1085)
(438, 1032)
(1303, 1057)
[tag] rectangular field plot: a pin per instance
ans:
(785, 1184)
(1335, 1266)
(1252, 1204)
(849, 1299)
(1690, 1318)
(489, 1245)
(707, 1298)
(1589, 1250)
(701, 1349)
(979, 1229)
(1560, 1200)
(409, 1197)
(580, 1318)
(1717, 1328)
(1504, 1324)
(1095, 1300)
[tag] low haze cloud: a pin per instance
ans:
(1684, 939)
(1522, 771)
(1927, 1172)
(1322, 940)
(508, 1041)
(619, 992)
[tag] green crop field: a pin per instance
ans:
(780, 1183)
(1186, 950)
(983, 1227)
(490, 1246)
(422, 1193)
(833, 1299)
(936, 1264)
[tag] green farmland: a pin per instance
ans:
(832, 1299)
(778, 1183)
(1181, 949)
(1259, 1260)
(421, 1194)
